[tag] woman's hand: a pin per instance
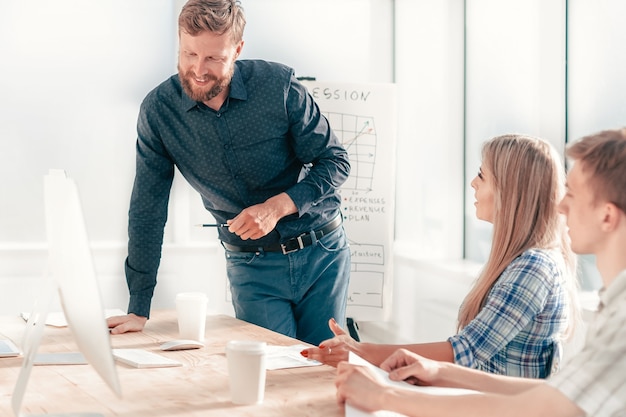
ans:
(360, 387)
(335, 350)
(404, 365)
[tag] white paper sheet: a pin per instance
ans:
(8, 349)
(282, 357)
(353, 412)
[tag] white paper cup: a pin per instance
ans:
(246, 369)
(191, 311)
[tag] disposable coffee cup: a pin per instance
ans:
(246, 370)
(191, 311)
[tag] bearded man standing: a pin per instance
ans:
(251, 140)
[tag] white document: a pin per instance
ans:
(282, 357)
(354, 412)
(8, 349)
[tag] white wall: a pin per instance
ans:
(429, 75)
(515, 83)
(72, 78)
(346, 40)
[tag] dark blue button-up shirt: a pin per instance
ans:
(269, 137)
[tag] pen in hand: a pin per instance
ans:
(212, 225)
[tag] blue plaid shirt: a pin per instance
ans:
(518, 331)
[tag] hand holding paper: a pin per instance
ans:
(371, 382)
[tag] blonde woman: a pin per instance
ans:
(514, 319)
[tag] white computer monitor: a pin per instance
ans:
(71, 272)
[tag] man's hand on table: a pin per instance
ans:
(127, 323)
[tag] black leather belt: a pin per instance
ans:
(291, 245)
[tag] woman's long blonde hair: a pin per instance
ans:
(529, 182)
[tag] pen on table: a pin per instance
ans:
(212, 225)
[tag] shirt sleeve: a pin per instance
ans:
(317, 146)
(147, 214)
(594, 377)
(518, 295)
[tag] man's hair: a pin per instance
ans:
(529, 182)
(603, 159)
(218, 16)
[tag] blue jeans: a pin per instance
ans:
(294, 294)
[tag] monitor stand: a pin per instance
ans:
(32, 337)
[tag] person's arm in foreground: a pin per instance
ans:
(335, 350)
(499, 395)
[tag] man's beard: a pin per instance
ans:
(202, 95)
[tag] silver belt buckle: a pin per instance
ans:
(295, 249)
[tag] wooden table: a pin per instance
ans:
(198, 388)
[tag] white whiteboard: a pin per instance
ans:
(363, 117)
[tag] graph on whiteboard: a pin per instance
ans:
(363, 118)
(358, 136)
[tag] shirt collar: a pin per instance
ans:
(618, 286)
(237, 90)
(237, 86)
